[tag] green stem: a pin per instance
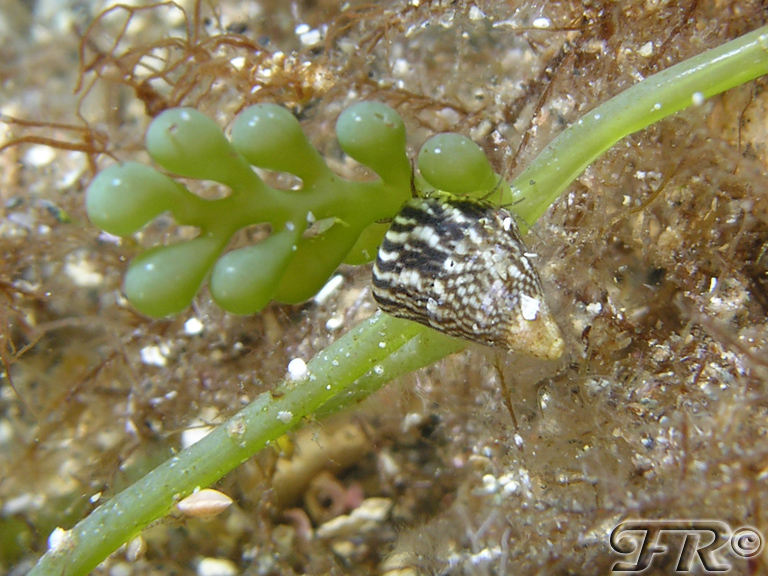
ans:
(656, 97)
(426, 347)
(268, 417)
(383, 348)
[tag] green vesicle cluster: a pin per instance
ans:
(328, 220)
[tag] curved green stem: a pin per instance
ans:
(656, 97)
(427, 347)
(383, 348)
(268, 417)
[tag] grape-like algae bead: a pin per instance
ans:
(270, 137)
(123, 198)
(189, 143)
(374, 134)
(456, 164)
(243, 281)
(163, 280)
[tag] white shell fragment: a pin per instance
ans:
(204, 504)
(371, 513)
(135, 549)
(59, 540)
(216, 567)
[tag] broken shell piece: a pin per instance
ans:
(216, 567)
(371, 513)
(204, 503)
(135, 549)
(60, 540)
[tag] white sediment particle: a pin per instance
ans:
(216, 567)
(134, 550)
(236, 427)
(297, 369)
(285, 416)
(83, 273)
(646, 49)
(401, 67)
(154, 355)
(334, 322)
(311, 38)
(525, 478)
(476, 13)
(594, 308)
(490, 484)
(59, 539)
(194, 434)
(193, 327)
(542, 22)
(511, 487)
(6, 432)
(39, 156)
(330, 287)
(697, 98)
(411, 421)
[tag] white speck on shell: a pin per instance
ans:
(529, 307)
